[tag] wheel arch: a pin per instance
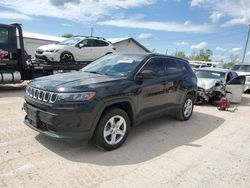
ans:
(67, 51)
(124, 104)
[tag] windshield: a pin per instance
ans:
(115, 64)
(210, 74)
(242, 68)
(70, 41)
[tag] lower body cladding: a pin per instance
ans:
(61, 124)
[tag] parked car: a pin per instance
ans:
(110, 95)
(243, 69)
(196, 66)
(215, 83)
(74, 49)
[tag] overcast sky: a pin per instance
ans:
(166, 25)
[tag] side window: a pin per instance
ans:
(99, 43)
(171, 66)
(4, 34)
(234, 74)
(84, 42)
(155, 65)
(229, 77)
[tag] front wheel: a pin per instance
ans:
(112, 130)
(67, 58)
(186, 110)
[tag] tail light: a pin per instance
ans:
(114, 48)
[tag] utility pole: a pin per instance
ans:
(92, 31)
(245, 50)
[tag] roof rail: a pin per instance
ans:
(89, 37)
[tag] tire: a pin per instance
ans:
(186, 110)
(115, 136)
(67, 58)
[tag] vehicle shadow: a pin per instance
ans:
(12, 90)
(245, 101)
(146, 141)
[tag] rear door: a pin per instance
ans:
(235, 89)
(100, 48)
(174, 80)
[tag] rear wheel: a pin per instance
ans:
(67, 58)
(112, 129)
(186, 110)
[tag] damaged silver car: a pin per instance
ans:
(215, 83)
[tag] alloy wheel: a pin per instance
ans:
(114, 130)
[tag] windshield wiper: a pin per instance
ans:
(94, 72)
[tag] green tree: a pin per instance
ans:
(67, 35)
(182, 55)
(203, 55)
(228, 65)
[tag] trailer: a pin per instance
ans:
(16, 65)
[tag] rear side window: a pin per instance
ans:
(155, 65)
(171, 66)
(99, 43)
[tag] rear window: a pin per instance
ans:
(171, 66)
(241, 68)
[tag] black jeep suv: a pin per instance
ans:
(103, 100)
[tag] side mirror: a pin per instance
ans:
(80, 45)
(145, 75)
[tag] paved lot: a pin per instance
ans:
(210, 150)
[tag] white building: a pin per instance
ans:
(33, 40)
(127, 44)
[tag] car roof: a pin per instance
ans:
(243, 64)
(150, 54)
(217, 69)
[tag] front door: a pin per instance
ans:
(83, 50)
(151, 91)
(235, 89)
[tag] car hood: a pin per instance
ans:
(51, 47)
(206, 83)
(73, 82)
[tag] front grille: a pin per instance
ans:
(41, 95)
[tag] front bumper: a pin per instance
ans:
(48, 57)
(60, 124)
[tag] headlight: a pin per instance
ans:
(54, 50)
(76, 97)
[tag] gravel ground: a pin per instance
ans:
(212, 149)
